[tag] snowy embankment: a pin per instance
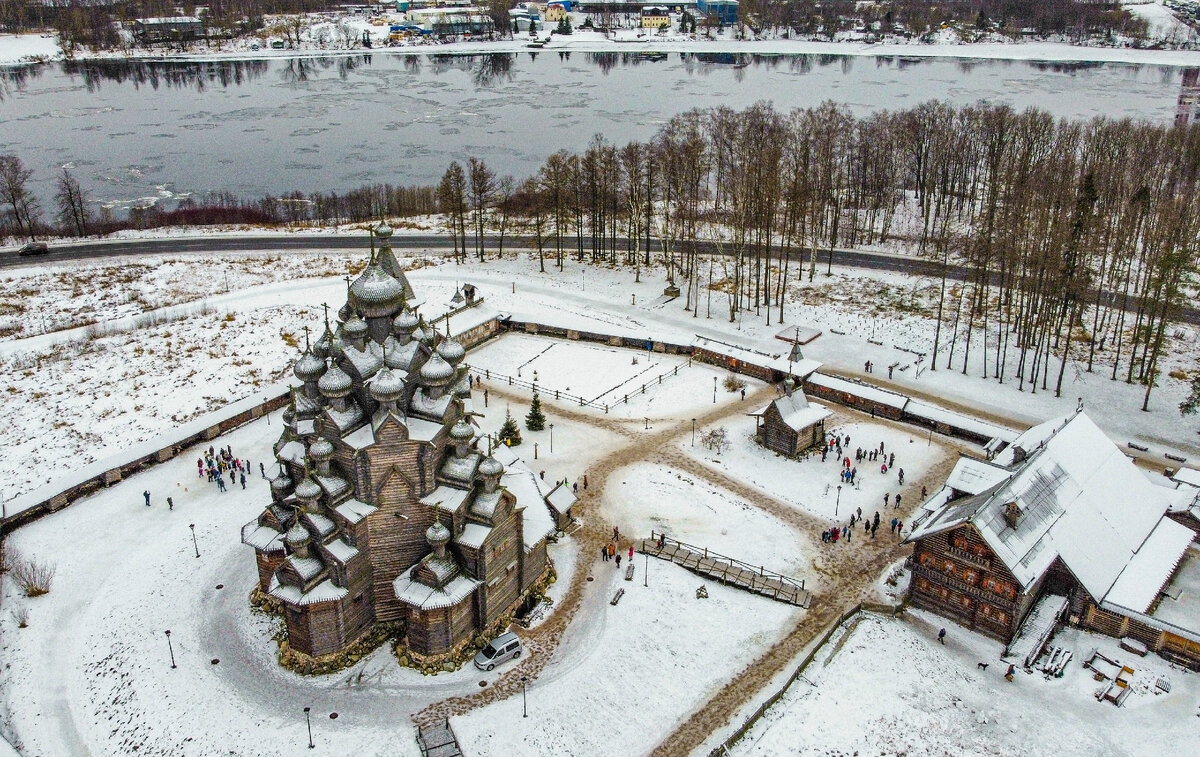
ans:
(927, 698)
(323, 34)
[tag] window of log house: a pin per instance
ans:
(926, 559)
(948, 567)
(970, 576)
(964, 600)
(960, 542)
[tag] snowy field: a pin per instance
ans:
(78, 398)
(929, 699)
(811, 485)
(651, 659)
(674, 386)
(645, 497)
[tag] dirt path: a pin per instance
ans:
(847, 570)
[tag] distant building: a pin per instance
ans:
(724, 11)
(655, 17)
(168, 29)
(790, 425)
(555, 12)
(1060, 525)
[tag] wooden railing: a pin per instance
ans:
(709, 554)
(963, 554)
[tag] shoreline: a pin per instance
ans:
(585, 42)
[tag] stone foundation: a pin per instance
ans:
(306, 665)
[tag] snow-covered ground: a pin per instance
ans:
(16, 49)
(926, 698)
(78, 398)
(811, 485)
(651, 659)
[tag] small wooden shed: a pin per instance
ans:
(791, 424)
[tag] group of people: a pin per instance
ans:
(839, 445)
(612, 551)
(216, 463)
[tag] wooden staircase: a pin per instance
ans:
(727, 570)
(438, 740)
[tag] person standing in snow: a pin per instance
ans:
(170, 504)
(897, 506)
(901, 476)
(942, 636)
(630, 551)
(618, 562)
(262, 471)
(200, 466)
(146, 494)
(243, 475)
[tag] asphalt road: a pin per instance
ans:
(878, 261)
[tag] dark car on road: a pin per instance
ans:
(34, 248)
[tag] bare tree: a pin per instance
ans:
(23, 206)
(73, 213)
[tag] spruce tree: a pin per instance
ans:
(536, 420)
(510, 433)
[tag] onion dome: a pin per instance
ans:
(376, 293)
(308, 490)
(387, 386)
(297, 535)
(280, 484)
(320, 450)
(490, 467)
(383, 231)
(437, 534)
(462, 431)
(355, 327)
(424, 335)
(335, 383)
(322, 346)
(406, 322)
(345, 310)
(436, 371)
(309, 367)
(451, 351)
(289, 415)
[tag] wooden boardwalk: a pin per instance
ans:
(729, 571)
(438, 740)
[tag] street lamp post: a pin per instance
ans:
(837, 503)
(551, 437)
(693, 432)
(524, 700)
(170, 648)
(308, 722)
(195, 544)
(646, 574)
(714, 390)
(646, 424)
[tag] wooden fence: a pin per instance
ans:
(724, 747)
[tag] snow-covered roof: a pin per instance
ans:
(561, 498)
(1145, 575)
(1189, 476)
(326, 591)
(366, 362)
(473, 535)
(262, 538)
(320, 523)
(360, 438)
(799, 368)
(974, 476)
(1077, 498)
(1180, 605)
(344, 419)
(860, 389)
(461, 468)
(476, 315)
(354, 510)
(445, 498)
(417, 594)
(797, 413)
(975, 426)
(524, 484)
(341, 551)
(306, 427)
(1029, 440)
(1036, 628)
(307, 567)
(333, 485)
(291, 452)
(422, 430)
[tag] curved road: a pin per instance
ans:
(880, 261)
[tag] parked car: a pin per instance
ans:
(34, 248)
(505, 647)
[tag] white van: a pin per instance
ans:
(505, 647)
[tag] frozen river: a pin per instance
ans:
(154, 131)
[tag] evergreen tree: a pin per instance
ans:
(510, 433)
(536, 420)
